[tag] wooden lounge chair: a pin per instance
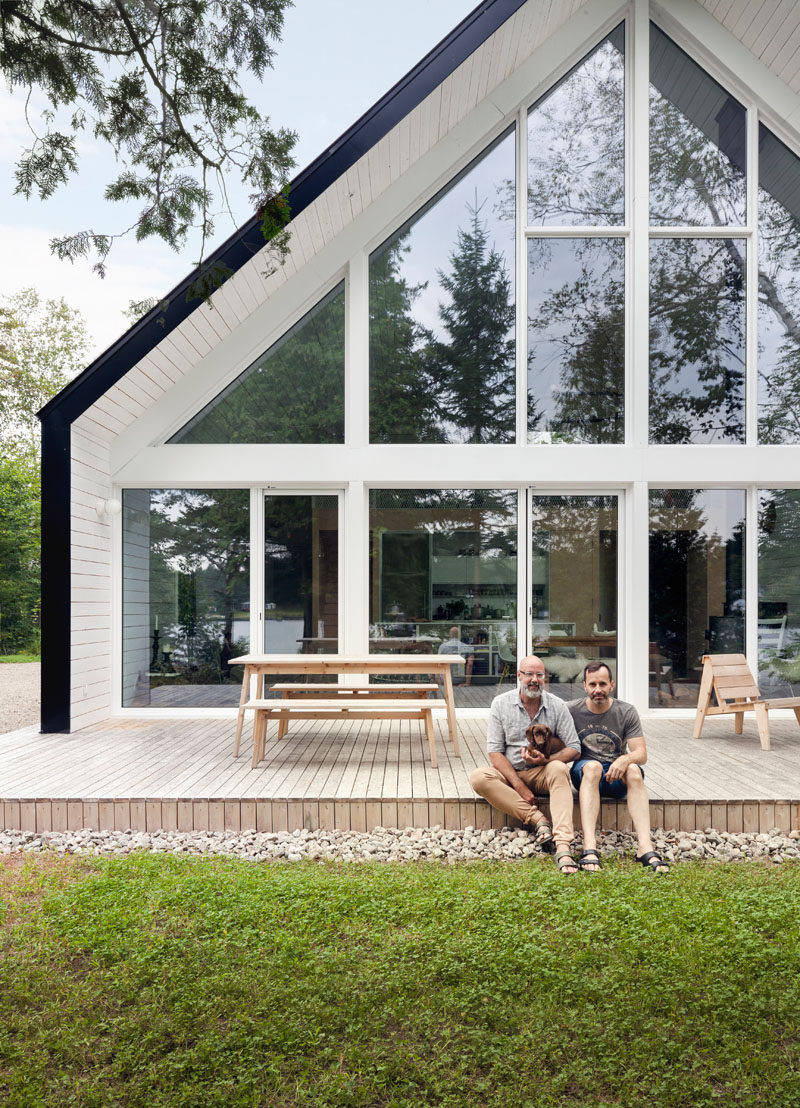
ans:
(728, 677)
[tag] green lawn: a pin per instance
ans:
(20, 658)
(156, 980)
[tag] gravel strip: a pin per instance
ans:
(19, 695)
(393, 845)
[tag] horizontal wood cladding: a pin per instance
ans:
(91, 587)
(289, 814)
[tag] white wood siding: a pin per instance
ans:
(136, 591)
(90, 636)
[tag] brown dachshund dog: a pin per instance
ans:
(542, 740)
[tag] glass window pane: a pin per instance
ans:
(443, 571)
(294, 393)
(574, 587)
(779, 592)
(441, 296)
(697, 143)
(778, 291)
(697, 587)
(301, 575)
(697, 340)
(185, 596)
(576, 340)
(576, 143)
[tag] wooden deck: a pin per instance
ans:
(181, 775)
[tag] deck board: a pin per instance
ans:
(360, 772)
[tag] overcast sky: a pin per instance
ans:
(336, 59)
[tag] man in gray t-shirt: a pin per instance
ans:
(613, 751)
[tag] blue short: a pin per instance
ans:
(614, 790)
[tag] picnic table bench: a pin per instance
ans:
(388, 701)
(357, 706)
(392, 689)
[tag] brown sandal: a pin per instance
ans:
(566, 863)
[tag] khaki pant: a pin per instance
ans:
(553, 778)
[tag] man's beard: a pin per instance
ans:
(529, 691)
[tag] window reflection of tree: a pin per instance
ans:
(199, 572)
(779, 586)
(456, 384)
(697, 161)
(697, 341)
(778, 291)
(294, 393)
(576, 359)
(576, 143)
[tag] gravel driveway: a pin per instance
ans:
(19, 695)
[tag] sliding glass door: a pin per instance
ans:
(573, 567)
(301, 574)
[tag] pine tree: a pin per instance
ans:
(474, 369)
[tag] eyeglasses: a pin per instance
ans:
(531, 673)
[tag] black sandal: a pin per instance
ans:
(653, 861)
(590, 858)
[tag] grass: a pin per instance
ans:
(165, 981)
(11, 658)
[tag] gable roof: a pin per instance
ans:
(76, 397)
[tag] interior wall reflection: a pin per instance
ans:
(697, 587)
(441, 303)
(778, 291)
(574, 595)
(185, 596)
(779, 592)
(443, 577)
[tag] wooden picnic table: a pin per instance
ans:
(261, 665)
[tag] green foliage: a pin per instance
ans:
(167, 981)
(159, 83)
(19, 555)
(43, 344)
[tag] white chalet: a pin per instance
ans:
(526, 380)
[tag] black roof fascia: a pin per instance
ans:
(410, 91)
(56, 590)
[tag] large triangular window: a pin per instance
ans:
(294, 393)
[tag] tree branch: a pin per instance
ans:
(161, 87)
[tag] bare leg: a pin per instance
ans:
(639, 807)
(589, 802)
